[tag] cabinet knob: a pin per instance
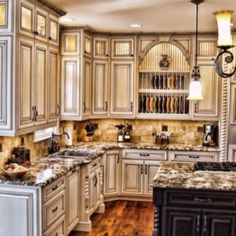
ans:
(106, 106)
(204, 228)
(198, 223)
(194, 157)
(54, 210)
(36, 32)
(50, 38)
(131, 106)
(141, 169)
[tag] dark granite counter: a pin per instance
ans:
(210, 176)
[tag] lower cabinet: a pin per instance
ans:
(188, 212)
(137, 176)
(72, 202)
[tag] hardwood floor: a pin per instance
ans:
(122, 218)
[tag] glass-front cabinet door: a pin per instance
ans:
(41, 24)
(26, 18)
(5, 16)
(53, 30)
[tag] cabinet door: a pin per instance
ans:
(150, 170)
(122, 88)
(132, 177)
(232, 103)
(184, 222)
(70, 83)
(27, 18)
(100, 48)
(41, 24)
(97, 187)
(72, 200)
(100, 85)
(208, 108)
(92, 193)
(5, 16)
(5, 84)
(86, 92)
(70, 43)
(25, 84)
(111, 173)
(122, 48)
(40, 83)
(53, 84)
(53, 30)
(87, 45)
(218, 223)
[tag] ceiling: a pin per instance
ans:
(154, 15)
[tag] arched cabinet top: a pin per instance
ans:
(178, 53)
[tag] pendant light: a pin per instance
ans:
(224, 43)
(195, 90)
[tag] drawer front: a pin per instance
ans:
(53, 188)
(193, 156)
(198, 199)
(54, 209)
(145, 154)
(58, 229)
(95, 164)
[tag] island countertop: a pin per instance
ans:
(209, 176)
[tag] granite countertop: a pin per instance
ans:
(210, 176)
(47, 169)
(172, 147)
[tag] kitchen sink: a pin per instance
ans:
(74, 153)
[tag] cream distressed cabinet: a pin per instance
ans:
(30, 97)
(138, 171)
(100, 82)
(208, 108)
(122, 77)
(76, 75)
(111, 165)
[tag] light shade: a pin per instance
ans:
(195, 90)
(224, 27)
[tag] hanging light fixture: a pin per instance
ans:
(195, 91)
(224, 43)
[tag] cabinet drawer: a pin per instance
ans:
(193, 156)
(95, 164)
(200, 198)
(58, 229)
(53, 209)
(53, 188)
(145, 154)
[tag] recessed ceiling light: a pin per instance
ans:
(135, 25)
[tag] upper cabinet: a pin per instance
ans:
(122, 48)
(208, 108)
(28, 93)
(35, 21)
(100, 48)
(70, 43)
(87, 45)
(5, 16)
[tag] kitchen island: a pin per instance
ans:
(193, 199)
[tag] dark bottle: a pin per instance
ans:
(160, 104)
(177, 105)
(157, 104)
(140, 104)
(164, 104)
(186, 105)
(127, 133)
(161, 82)
(177, 83)
(153, 81)
(144, 104)
(157, 82)
(182, 81)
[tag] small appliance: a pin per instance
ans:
(22, 155)
(210, 135)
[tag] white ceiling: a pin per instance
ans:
(154, 15)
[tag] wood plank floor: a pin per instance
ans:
(122, 218)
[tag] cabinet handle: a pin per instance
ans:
(131, 106)
(54, 210)
(73, 171)
(33, 117)
(106, 106)
(58, 110)
(36, 113)
(141, 169)
(96, 180)
(146, 169)
(36, 32)
(94, 164)
(54, 188)
(194, 157)
(118, 159)
(84, 107)
(204, 228)
(196, 199)
(144, 154)
(198, 223)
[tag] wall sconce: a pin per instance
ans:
(224, 43)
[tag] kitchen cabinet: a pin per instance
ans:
(53, 30)
(100, 88)
(122, 48)
(100, 47)
(20, 211)
(194, 212)
(70, 43)
(111, 165)
(53, 84)
(72, 201)
(138, 171)
(32, 83)
(87, 45)
(122, 88)
(208, 108)
(193, 156)
(5, 16)
(70, 92)
(6, 84)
